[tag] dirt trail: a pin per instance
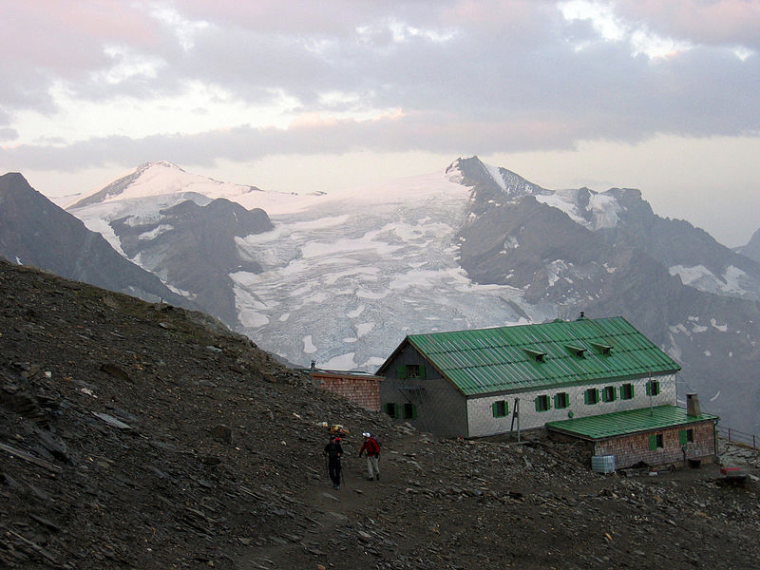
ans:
(332, 510)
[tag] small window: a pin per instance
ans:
(608, 394)
(500, 408)
(543, 403)
(391, 409)
(591, 396)
(653, 388)
(411, 371)
(686, 436)
(626, 392)
(410, 411)
(562, 400)
(656, 441)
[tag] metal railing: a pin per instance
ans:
(741, 437)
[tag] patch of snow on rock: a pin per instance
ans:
(308, 345)
(721, 328)
(496, 175)
(341, 362)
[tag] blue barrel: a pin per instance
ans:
(603, 463)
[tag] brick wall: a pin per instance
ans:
(361, 390)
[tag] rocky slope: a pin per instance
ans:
(137, 435)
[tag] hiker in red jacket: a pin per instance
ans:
(372, 447)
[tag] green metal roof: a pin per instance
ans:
(631, 421)
(526, 357)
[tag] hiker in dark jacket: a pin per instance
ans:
(372, 448)
(333, 452)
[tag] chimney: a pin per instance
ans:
(692, 405)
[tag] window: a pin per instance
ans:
(591, 396)
(686, 436)
(653, 388)
(608, 394)
(561, 400)
(391, 409)
(500, 408)
(543, 403)
(656, 441)
(626, 392)
(410, 411)
(411, 371)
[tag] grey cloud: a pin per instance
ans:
(711, 22)
(503, 84)
(8, 134)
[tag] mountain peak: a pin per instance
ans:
(158, 164)
(160, 178)
(475, 173)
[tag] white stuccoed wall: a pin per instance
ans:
(481, 421)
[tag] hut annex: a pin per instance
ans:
(483, 382)
(361, 388)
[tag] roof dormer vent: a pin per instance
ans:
(578, 351)
(536, 355)
(603, 348)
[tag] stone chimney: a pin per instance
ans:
(692, 405)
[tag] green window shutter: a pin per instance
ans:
(423, 374)
(500, 408)
(649, 388)
(402, 371)
(543, 403)
(653, 442)
(683, 437)
(409, 411)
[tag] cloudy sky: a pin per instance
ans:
(330, 95)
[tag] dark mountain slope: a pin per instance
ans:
(196, 249)
(34, 231)
(136, 435)
(752, 249)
